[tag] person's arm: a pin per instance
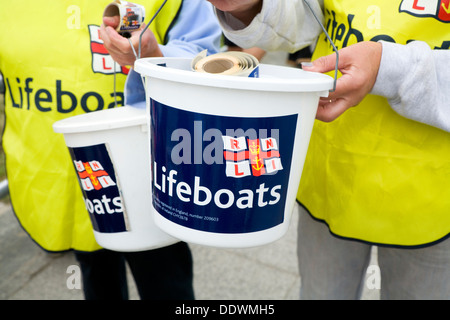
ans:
(413, 78)
(195, 29)
(279, 25)
(358, 65)
(416, 81)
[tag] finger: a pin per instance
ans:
(116, 41)
(136, 35)
(105, 34)
(113, 43)
(113, 21)
(331, 109)
(322, 64)
(328, 63)
(140, 30)
(351, 88)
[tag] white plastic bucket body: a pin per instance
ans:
(208, 183)
(113, 145)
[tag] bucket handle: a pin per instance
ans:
(137, 55)
(331, 41)
(305, 1)
(146, 27)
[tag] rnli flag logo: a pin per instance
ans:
(438, 9)
(100, 188)
(102, 62)
(245, 157)
(219, 173)
(93, 176)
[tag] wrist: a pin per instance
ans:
(153, 51)
(149, 47)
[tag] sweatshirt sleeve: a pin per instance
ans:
(415, 80)
(276, 27)
(195, 29)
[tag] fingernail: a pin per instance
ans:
(307, 64)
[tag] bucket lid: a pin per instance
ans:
(272, 77)
(102, 120)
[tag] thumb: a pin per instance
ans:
(322, 64)
(113, 21)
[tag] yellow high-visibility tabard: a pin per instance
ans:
(371, 174)
(55, 66)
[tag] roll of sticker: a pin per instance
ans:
(131, 16)
(235, 63)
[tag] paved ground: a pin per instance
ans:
(264, 273)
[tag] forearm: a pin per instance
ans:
(196, 29)
(281, 25)
(415, 80)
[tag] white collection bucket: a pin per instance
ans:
(109, 149)
(227, 152)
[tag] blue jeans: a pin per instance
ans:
(334, 268)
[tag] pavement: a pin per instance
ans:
(268, 272)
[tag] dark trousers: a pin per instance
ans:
(160, 274)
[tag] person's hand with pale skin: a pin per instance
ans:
(359, 64)
(119, 47)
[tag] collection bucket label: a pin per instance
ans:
(99, 184)
(220, 174)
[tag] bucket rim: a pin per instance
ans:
(121, 117)
(295, 80)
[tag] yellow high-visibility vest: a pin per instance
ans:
(373, 175)
(54, 67)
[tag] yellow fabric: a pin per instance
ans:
(373, 175)
(51, 73)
